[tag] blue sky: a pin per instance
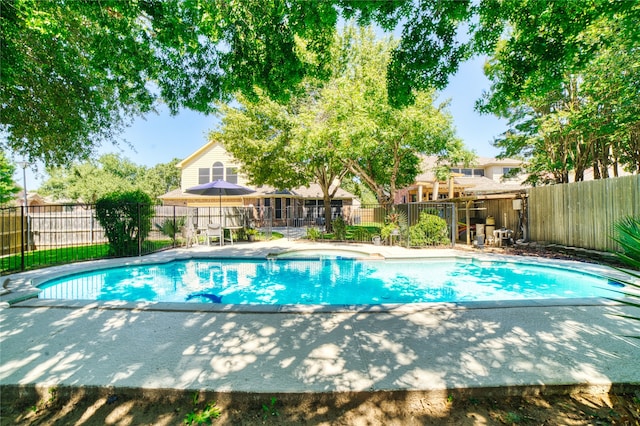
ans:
(158, 138)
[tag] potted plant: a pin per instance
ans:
(251, 234)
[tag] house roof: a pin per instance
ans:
(488, 161)
(484, 185)
(197, 153)
(315, 191)
(429, 162)
(32, 197)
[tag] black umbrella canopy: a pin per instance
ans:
(219, 187)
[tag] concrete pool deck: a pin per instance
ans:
(516, 347)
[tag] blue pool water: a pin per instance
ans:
(327, 281)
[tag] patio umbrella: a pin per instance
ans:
(219, 187)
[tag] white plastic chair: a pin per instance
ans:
(214, 230)
(190, 235)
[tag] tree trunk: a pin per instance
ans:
(325, 180)
(328, 226)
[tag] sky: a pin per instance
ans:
(159, 138)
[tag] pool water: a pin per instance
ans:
(327, 282)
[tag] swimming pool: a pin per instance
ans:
(328, 281)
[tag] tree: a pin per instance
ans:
(375, 140)
(611, 108)
(345, 125)
(264, 137)
(353, 185)
(566, 76)
(90, 180)
(8, 187)
(160, 178)
(75, 73)
(387, 159)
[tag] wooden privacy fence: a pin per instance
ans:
(13, 225)
(65, 228)
(582, 214)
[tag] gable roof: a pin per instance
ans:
(204, 148)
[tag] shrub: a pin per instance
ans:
(628, 236)
(339, 229)
(313, 234)
(126, 219)
(361, 234)
(396, 220)
(387, 230)
(430, 230)
(171, 227)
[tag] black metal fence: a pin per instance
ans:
(40, 236)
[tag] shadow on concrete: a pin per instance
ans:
(336, 362)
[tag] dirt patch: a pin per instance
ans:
(554, 251)
(79, 407)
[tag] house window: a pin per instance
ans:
(232, 175)
(311, 208)
(507, 171)
(336, 208)
(278, 208)
(203, 176)
(218, 171)
(469, 172)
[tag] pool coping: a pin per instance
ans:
(22, 290)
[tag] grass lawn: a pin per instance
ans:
(356, 233)
(40, 258)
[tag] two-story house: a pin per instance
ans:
(212, 162)
(486, 176)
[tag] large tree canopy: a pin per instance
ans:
(567, 76)
(360, 124)
(345, 125)
(89, 180)
(74, 73)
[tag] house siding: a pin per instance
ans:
(206, 160)
(496, 174)
(214, 152)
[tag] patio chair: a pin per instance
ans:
(190, 235)
(214, 230)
